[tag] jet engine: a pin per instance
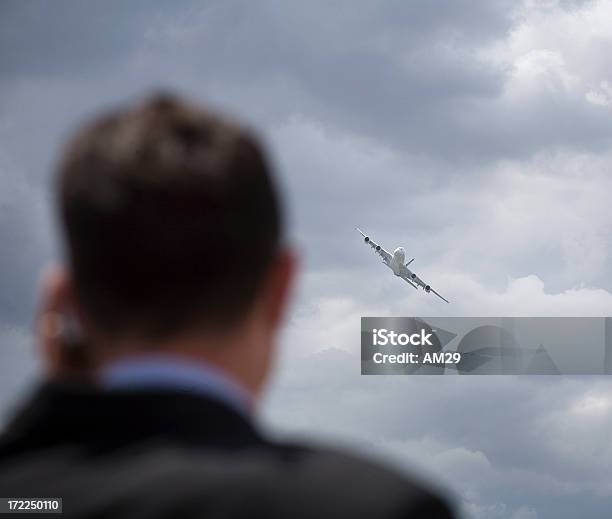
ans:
(413, 275)
(366, 239)
(377, 248)
(427, 288)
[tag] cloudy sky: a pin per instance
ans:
(477, 134)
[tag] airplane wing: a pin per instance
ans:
(408, 280)
(443, 299)
(407, 274)
(377, 248)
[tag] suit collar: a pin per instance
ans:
(75, 412)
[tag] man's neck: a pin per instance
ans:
(223, 351)
(155, 370)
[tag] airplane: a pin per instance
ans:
(395, 262)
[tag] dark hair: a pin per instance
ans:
(171, 218)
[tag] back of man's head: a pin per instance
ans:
(171, 218)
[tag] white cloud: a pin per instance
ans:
(539, 70)
(553, 42)
(601, 96)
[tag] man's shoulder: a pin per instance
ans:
(289, 479)
(167, 455)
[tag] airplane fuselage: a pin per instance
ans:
(397, 262)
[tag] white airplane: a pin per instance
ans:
(395, 262)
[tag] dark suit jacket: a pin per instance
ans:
(152, 454)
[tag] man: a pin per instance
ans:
(158, 336)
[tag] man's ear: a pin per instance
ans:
(57, 305)
(280, 282)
